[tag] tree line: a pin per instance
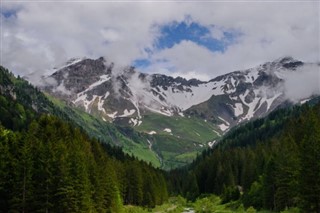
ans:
(275, 172)
(54, 167)
(50, 164)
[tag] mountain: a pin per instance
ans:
(49, 164)
(127, 97)
(270, 163)
(20, 102)
(176, 118)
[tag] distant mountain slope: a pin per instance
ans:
(270, 163)
(100, 89)
(163, 149)
(49, 164)
(165, 110)
(125, 96)
(20, 102)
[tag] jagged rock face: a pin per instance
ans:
(246, 94)
(127, 95)
(78, 75)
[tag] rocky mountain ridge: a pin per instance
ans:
(127, 95)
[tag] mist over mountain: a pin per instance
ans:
(127, 95)
(142, 106)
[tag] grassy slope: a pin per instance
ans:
(108, 133)
(194, 129)
(188, 137)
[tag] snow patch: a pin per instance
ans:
(224, 120)
(191, 96)
(252, 107)
(242, 97)
(100, 105)
(233, 81)
(305, 101)
(80, 97)
(160, 111)
(113, 115)
(252, 75)
(135, 122)
(103, 78)
(181, 114)
(152, 132)
(106, 95)
(69, 63)
(223, 127)
(150, 144)
(271, 100)
(216, 132)
(127, 113)
(233, 98)
(82, 100)
(136, 106)
(238, 109)
(167, 130)
(210, 144)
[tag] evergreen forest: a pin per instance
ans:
(49, 163)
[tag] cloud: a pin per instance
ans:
(309, 77)
(186, 58)
(40, 35)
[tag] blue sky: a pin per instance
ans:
(8, 13)
(175, 32)
(188, 39)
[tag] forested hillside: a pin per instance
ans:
(20, 102)
(272, 163)
(49, 165)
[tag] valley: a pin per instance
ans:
(243, 163)
(165, 106)
(179, 117)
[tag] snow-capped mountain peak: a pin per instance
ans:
(225, 100)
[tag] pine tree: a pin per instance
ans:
(5, 169)
(286, 174)
(269, 185)
(310, 164)
(134, 191)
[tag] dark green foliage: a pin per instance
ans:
(309, 175)
(275, 162)
(49, 165)
(20, 103)
(54, 167)
(230, 193)
(190, 187)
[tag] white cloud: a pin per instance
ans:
(190, 75)
(111, 35)
(185, 59)
(45, 34)
(307, 75)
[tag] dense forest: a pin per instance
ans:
(48, 163)
(272, 163)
